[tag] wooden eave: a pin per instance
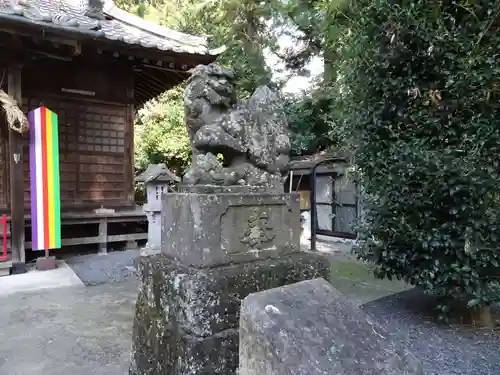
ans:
(154, 71)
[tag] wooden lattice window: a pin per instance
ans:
(92, 149)
(102, 129)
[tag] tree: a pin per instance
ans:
(309, 121)
(241, 27)
(314, 27)
(417, 98)
(249, 30)
(160, 129)
(160, 133)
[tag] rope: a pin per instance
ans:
(16, 119)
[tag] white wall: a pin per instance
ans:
(324, 194)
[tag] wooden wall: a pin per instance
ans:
(95, 133)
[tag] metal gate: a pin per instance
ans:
(334, 205)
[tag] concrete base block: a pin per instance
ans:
(5, 268)
(131, 245)
(147, 250)
(18, 268)
(46, 263)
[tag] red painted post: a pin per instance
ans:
(4, 257)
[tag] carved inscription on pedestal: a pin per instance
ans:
(258, 234)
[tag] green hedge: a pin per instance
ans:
(417, 98)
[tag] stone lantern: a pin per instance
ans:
(156, 179)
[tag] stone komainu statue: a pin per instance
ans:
(252, 136)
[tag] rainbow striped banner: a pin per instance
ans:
(44, 175)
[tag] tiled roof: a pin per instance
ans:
(157, 172)
(115, 25)
(309, 161)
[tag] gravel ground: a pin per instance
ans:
(94, 269)
(409, 316)
(443, 349)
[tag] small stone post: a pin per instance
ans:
(156, 179)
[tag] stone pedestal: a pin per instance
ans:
(219, 244)
(205, 229)
(187, 318)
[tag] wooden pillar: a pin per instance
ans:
(129, 154)
(16, 177)
(129, 141)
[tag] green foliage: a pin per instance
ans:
(417, 98)
(163, 12)
(160, 132)
(309, 122)
(240, 27)
(248, 29)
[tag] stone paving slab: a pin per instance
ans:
(35, 280)
(68, 331)
(94, 269)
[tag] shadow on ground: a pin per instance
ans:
(445, 349)
(408, 315)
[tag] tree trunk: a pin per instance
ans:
(329, 72)
(484, 317)
(252, 46)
